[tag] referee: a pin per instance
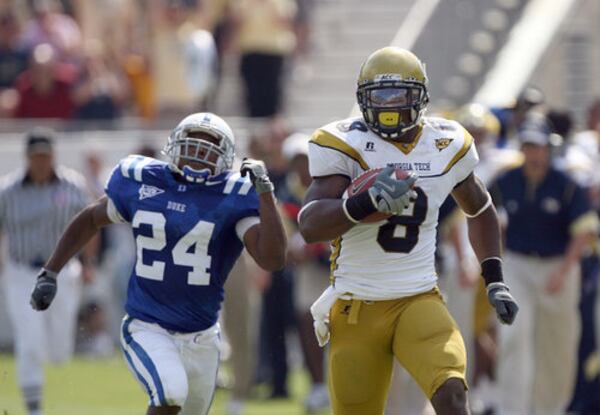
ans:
(36, 204)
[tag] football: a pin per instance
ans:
(363, 182)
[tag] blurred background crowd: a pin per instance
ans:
(113, 76)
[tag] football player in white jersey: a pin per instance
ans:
(383, 302)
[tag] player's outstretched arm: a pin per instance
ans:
(322, 218)
(78, 233)
(484, 234)
(266, 242)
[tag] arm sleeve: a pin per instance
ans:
(242, 226)
(325, 162)
(465, 159)
(112, 212)
(248, 214)
(115, 189)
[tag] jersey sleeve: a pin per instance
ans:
(329, 155)
(466, 158)
(248, 214)
(115, 189)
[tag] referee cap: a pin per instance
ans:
(40, 141)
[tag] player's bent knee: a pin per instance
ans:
(451, 397)
(176, 391)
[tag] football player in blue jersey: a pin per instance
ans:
(190, 217)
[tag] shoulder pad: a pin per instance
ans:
(132, 166)
(448, 136)
(339, 142)
(236, 184)
(442, 124)
(345, 127)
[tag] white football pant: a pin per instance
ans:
(175, 369)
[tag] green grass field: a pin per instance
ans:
(105, 387)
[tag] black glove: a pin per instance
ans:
(44, 291)
(504, 303)
(258, 175)
(390, 195)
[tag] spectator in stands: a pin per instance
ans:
(101, 89)
(513, 116)
(302, 25)
(13, 61)
(549, 223)
(184, 57)
(265, 39)
(45, 88)
(50, 25)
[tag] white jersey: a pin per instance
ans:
(393, 258)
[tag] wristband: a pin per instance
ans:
(491, 270)
(359, 207)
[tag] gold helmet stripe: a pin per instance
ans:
(328, 140)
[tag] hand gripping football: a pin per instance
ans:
(364, 182)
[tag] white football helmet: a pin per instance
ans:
(180, 146)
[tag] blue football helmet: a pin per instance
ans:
(216, 157)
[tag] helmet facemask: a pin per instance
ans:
(392, 106)
(187, 149)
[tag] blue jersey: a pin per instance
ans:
(539, 217)
(186, 240)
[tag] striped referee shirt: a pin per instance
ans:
(34, 216)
